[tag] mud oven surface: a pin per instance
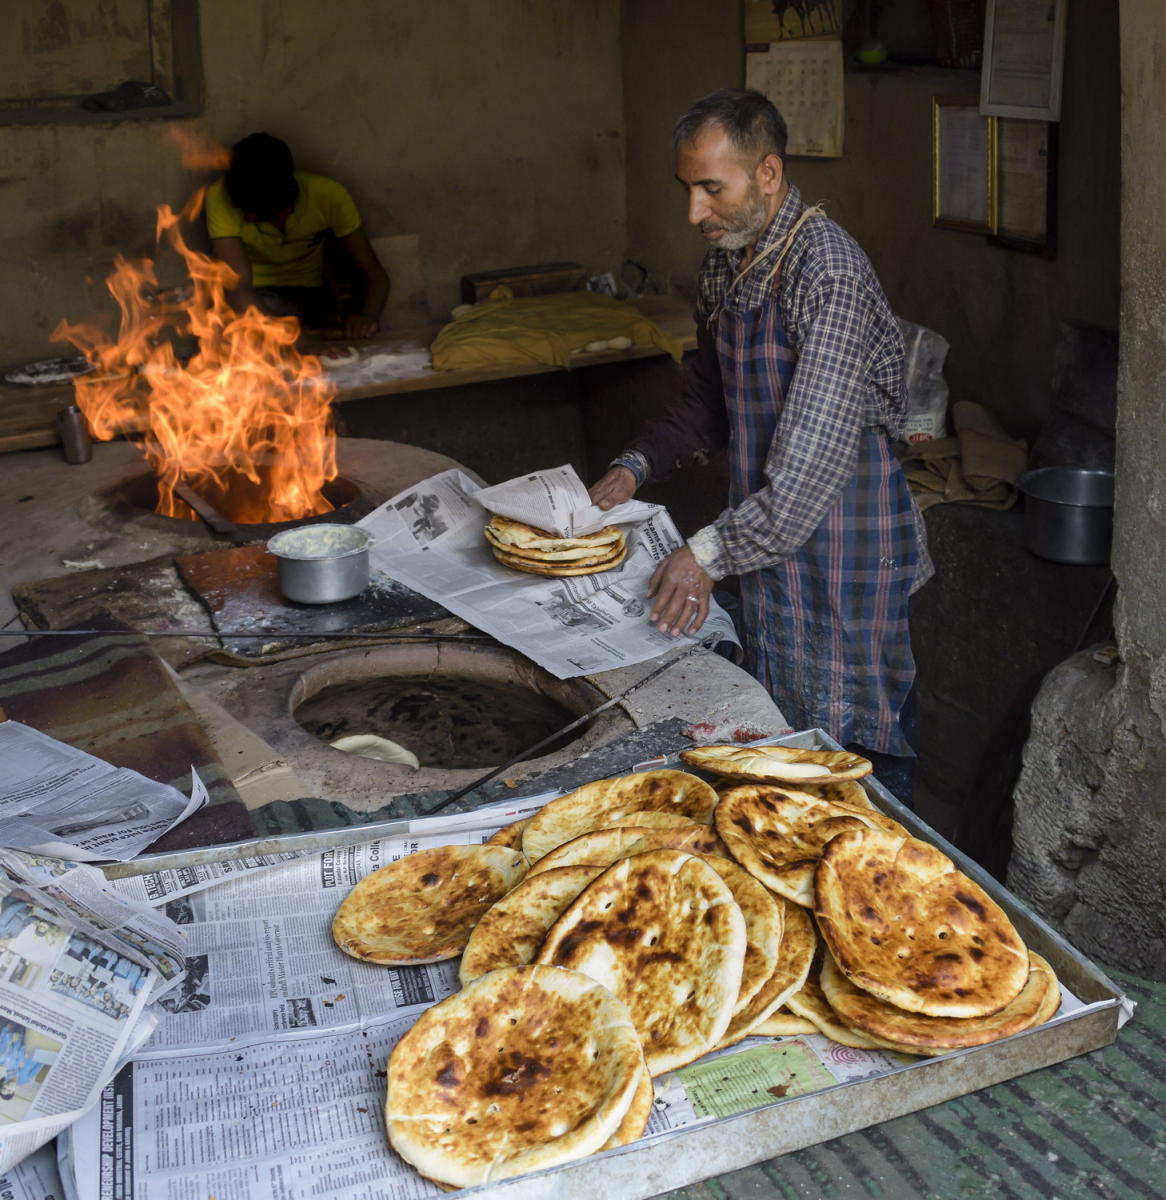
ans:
(465, 706)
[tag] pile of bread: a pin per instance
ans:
(540, 552)
(638, 923)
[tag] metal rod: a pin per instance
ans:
(530, 751)
(215, 633)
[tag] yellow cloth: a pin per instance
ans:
(292, 256)
(504, 331)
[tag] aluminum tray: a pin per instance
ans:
(671, 1160)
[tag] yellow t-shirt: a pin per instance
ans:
(292, 256)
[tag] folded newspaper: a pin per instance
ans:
(265, 1075)
(58, 800)
(430, 538)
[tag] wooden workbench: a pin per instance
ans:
(28, 414)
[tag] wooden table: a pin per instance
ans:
(28, 414)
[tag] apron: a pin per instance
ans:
(825, 630)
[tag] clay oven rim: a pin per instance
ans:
(488, 663)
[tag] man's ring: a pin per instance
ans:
(694, 599)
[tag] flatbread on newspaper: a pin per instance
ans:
(509, 835)
(847, 792)
(810, 1002)
(584, 566)
(526, 1068)
(904, 924)
(424, 907)
(512, 931)
(565, 555)
(914, 1033)
(602, 847)
(783, 1023)
(798, 942)
(663, 932)
(503, 531)
(596, 804)
(777, 764)
(778, 834)
(635, 1120)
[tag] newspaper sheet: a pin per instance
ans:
(557, 500)
(56, 799)
(77, 968)
(274, 1083)
(429, 538)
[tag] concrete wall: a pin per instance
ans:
(999, 309)
(1090, 818)
(495, 131)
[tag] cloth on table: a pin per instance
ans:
(111, 696)
(980, 464)
(504, 331)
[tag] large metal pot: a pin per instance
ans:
(1068, 513)
(321, 564)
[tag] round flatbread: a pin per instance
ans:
(777, 764)
(330, 362)
(847, 792)
(424, 907)
(596, 804)
(914, 1033)
(799, 940)
(783, 1024)
(764, 925)
(511, 933)
(509, 835)
(649, 818)
(553, 556)
(502, 531)
(661, 931)
(778, 834)
(810, 1002)
(905, 925)
(635, 1121)
(526, 1068)
(586, 566)
(602, 847)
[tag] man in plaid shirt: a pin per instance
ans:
(798, 372)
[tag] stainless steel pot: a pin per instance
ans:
(1068, 513)
(321, 564)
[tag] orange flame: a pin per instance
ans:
(246, 421)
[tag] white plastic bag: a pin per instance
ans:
(923, 382)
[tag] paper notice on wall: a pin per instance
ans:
(804, 79)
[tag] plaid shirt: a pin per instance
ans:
(848, 378)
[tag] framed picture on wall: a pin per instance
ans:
(1026, 185)
(1024, 59)
(963, 165)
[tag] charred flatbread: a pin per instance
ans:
(798, 942)
(778, 834)
(914, 1033)
(512, 931)
(502, 531)
(635, 1120)
(663, 932)
(525, 1068)
(810, 1002)
(509, 835)
(847, 792)
(424, 907)
(777, 764)
(904, 924)
(596, 804)
(602, 847)
(783, 1023)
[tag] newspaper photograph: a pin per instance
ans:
(430, 539)
(56, 799)
(73, 994)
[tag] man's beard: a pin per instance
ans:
(741, 226)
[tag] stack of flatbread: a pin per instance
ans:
(638, 923)
(540, 552)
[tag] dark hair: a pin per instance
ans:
(751, 120)
(261, 177)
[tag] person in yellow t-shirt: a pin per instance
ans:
(270, 223)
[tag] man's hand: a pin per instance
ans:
(618, 485)
(681, 587)
(358, 326)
